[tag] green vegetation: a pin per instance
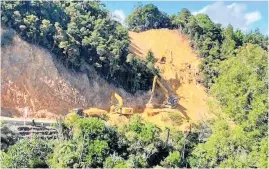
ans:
(147, 17)
(234, 69)
(27, 154)
(8, 137)
(95, 144)
(79, 34)
(242, 94)
(211, 41)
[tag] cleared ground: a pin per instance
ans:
(180, 71)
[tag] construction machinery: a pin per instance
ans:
(116, 105)
(90, 112)
(163, 58)
(171, 100)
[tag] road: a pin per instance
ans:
(20, 121)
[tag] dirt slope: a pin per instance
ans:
(32, 77)
(180, 69)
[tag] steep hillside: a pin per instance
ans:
(180, 69)
(32, 77)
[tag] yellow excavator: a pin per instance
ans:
(171, 100)
(116, 105)
(163, 58)
(90, 112)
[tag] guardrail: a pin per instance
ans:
(30, 128)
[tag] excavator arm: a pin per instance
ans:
(169, 99)
(118, 107)
(156, 81)
(118, 98)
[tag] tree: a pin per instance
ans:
(115, 162)
(79, 37)
(64, 155)
(8, 137)
(172, 161)
(241, 93)
(143, 141)
(228, 44)
(150, 57)
(226, 147)
(27, 154)
(256, 38)
(183, 19)
(147, 17)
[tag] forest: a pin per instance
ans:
(234, 70)
(79, 34)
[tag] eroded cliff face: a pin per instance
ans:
(32, 77)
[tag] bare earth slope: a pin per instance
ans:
(31, 77)
(180, 69)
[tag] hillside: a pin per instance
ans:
(180, 69)
(208, 107)
(49, 89)
(32, 77)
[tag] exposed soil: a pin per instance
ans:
(180, 71)
(32, 77)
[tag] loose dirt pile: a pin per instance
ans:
(180, 70)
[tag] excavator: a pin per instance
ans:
(118, 106)
(163, 58)
(171, 99)
(90, 112)
(95, 112)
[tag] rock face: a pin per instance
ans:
(32, 77)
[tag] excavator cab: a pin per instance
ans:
(172, 100)
(79, 112)
(116, 105)
(163, 58)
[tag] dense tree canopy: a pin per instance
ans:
(92, 143)
(147, 17)
(211, 41)
(80, 34)
(234, 68)
(242, 92)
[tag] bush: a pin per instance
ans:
(147, 17)
(8, 137)
(78, 38)
(176, 118)
(172, 161)
(27, 153)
